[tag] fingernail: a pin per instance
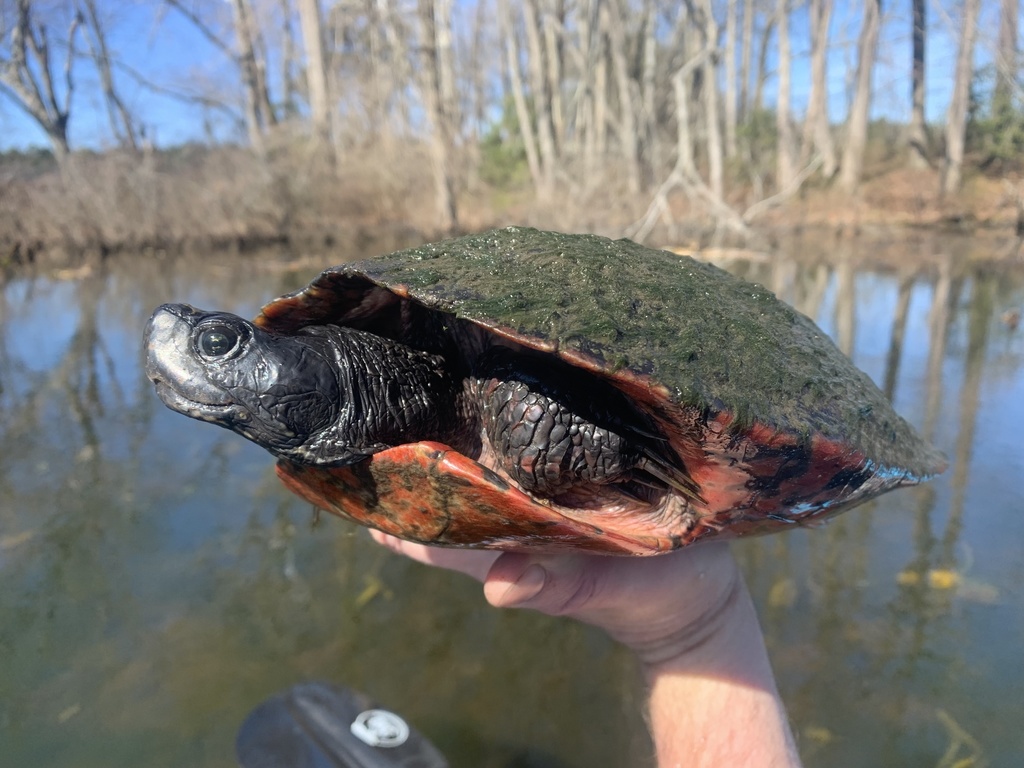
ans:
(526, 586)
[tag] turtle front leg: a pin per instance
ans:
(546, 446)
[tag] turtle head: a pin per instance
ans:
(281, 392)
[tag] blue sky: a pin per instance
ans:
(166, 49)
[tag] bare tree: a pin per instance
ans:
(316, 70)
(398, 68)
(730, 78)
(259, 113)
(1006, 52)
(714, 136)
(612, 21)
(250, 60)
(786, 163)
(857, 123)
(121, 122)
(552, 17)
(538, 90)
(599, 57)
(761, 73)
(591, 112)
(746, 55)
(917, 134)
(817, 131)
(685, 175)
(435, 25)
(515, 78)
(650, 146)
(288, 63)
(31, 73)
(956, 121)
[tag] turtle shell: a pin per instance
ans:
(772, 422)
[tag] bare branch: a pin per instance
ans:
(121, 122)
(69, 87)
(188, 98)
(28, 76)
(203, 28)
(783, 195)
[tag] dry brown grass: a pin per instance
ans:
(229, 197)
(200, 197)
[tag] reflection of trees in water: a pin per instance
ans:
(79, 484)
(846, 306)
(128, 607)
(938, 331)
(899, 327)
(980, 312)
(117, 599)
(70, 578)
(832, 632)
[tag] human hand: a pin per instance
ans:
(687, 616)
(664, 608)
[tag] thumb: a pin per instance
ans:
(556, 585)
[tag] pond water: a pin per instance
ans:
(157, 582)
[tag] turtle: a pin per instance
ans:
(519, 389)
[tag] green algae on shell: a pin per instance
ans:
(694, 335)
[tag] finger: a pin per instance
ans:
(472, 562)
(556, 585)
(585, 586)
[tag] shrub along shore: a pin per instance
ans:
(200, 198)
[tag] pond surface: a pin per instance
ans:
(157, 582)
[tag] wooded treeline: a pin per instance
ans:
(668, 107)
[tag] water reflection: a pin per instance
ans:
(158, 582)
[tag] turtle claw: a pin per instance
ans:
(671, 476)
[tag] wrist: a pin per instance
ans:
(715, 683)
(724, 639)
(688, 615)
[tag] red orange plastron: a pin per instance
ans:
(430, 493)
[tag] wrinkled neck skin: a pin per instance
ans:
(361, 394)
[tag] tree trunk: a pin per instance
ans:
(684, 140)
(612, 22)
(650, 147)
(553, 13)
(1006, 54)
(30, 76)
(761, 76)
(586, 110)
(288, 64)
(435, 23)
(515, 77)
(397, 52)
(480, 54)
(746, 56)
(786, 163)
(714, 136)
(121, 123)
(255, 119)
(917, 134)
(316, 70)
(857, 124)
(538, 89)
(600, 91)
(817, 130)
(730, 79)
(956, 122)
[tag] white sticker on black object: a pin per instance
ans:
(380, 728)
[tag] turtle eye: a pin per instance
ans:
(217, 341)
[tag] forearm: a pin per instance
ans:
(687, 616)
(717, 704)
